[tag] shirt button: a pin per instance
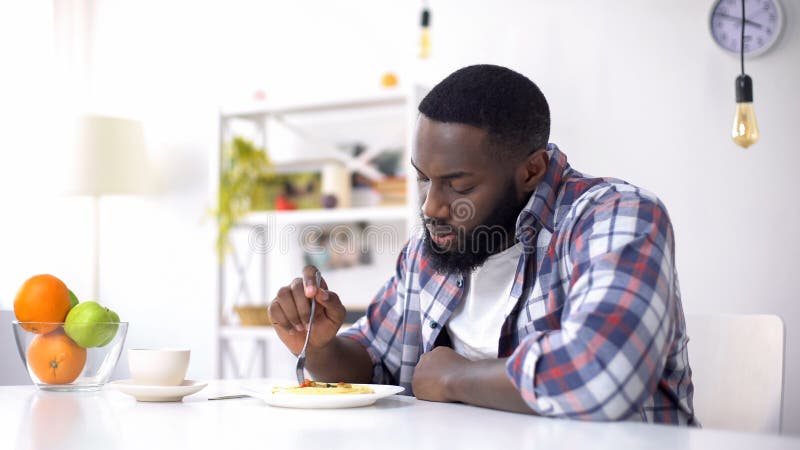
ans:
(434, 324)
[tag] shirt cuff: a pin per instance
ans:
(521, 370)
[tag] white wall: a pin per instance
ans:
(637, 90)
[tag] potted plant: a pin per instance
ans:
(243, 166)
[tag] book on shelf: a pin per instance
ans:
(392, 191)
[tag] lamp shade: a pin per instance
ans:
(112, 158)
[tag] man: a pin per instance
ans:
(531, 287)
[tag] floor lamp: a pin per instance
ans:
(112, 160)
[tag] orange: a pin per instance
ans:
(55, 358)
(42, 298)
(389, 80)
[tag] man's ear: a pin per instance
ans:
(531, 171)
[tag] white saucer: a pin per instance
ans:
(150, 393)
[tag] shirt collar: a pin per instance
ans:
(539, 211)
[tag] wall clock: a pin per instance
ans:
(764, 24)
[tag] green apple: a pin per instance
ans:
(91, 325)
(73, 299)
(114, 318)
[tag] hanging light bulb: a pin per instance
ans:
(425, 33)
(745, 126)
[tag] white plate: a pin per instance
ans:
(150, 393)
(285, 400)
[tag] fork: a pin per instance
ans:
(301, 358)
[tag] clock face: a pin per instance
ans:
(762, 27)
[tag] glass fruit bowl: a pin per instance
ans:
(70, 357)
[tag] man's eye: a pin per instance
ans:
(422, 179)
(463, 191)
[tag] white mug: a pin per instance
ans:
(158, 366)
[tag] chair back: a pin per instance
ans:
(737, 370)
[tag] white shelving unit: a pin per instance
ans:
(325, 216)
(264, 256)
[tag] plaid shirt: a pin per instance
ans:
(597, 332)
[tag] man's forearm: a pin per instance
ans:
(486, 384)
(342, 359)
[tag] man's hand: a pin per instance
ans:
(291, 309)
(434, 371)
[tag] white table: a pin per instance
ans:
(108, 420)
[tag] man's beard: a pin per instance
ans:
(475, 246)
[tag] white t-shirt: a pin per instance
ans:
(474, 327)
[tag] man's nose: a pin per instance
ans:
(434, 205)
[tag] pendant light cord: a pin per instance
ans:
(741, 46)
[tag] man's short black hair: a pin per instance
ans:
(506, 104)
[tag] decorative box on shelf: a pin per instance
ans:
(252, 315)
